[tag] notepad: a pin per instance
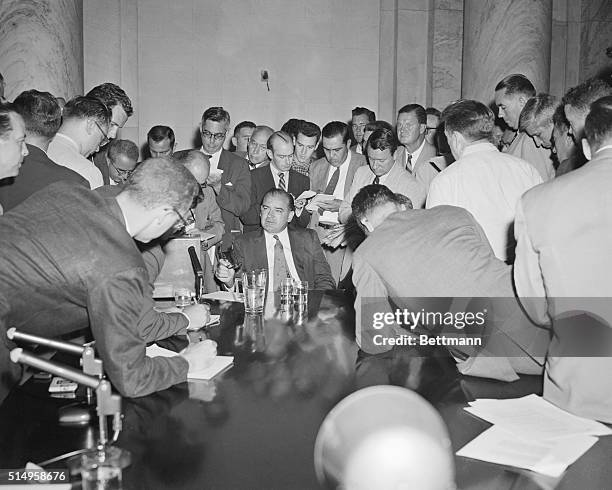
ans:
(219, 364)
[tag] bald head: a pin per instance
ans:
(194, 161)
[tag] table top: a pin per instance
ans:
(254, 426)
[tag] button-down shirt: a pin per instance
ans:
(488, 184)
(283, 237)
(64, 151)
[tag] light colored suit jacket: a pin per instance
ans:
(397, 180)
(524, 147)
(421, 169)
(564, 241)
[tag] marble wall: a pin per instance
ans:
(502, 37)
(595, 38)
(41, 46)
(322, 58)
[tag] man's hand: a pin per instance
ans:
(200, 355)
(224, 273)
(199, 315)
(332, 206)
(336, 236)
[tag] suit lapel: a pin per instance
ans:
(268, 179)
(298, 253)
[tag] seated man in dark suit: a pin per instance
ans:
(42, 117)
(284, 251)
(277, 174)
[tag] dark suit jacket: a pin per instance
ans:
(310, 263)
(37, 171)
(99, 161)
(233, 200)
(261, 182)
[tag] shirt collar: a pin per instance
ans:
(67, 140)
(478, 146)
(283, 236)
(607, 147)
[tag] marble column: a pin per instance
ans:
(41, 46)
(502, 37)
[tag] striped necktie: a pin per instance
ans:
(281, 181)
(281, 270)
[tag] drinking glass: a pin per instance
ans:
(300, 293)
(254, 289)
(101, 469)
(286, 291)
(182, 297)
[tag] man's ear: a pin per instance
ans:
(423, 128)
(234, 141)
(586, 149)
(270, 154)
(290, 217)
(90, 126)
(349, 143)
(366, 224)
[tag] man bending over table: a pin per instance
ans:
(69, 260)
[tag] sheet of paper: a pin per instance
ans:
(532, 416)
(224, 296)
(313, 205)
(306, 195)
(214, 319)
(550, 457)
(220, 363)
(163, 290)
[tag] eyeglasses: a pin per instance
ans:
(216, 136)
(122, 173)
(182, 223)
(104, 134)
(256, 146)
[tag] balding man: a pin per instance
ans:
(12, 141)
(277, 174)
(257, 150)
(121, 160)
(206, 214)
(92, 274)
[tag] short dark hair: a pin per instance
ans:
(471, 118)
(277, 192)
(309, 129)
(87, 107)
(432, 111)
(160, 182)
(41, 113)
(516, 84)
(160, 133)
(598, 123)
(372, 196)
(560, 120)
(243, 124)
(383, 139)
(335, 128)
(122, 147)
(419, 112)
(278, 135)
(5, 118)
(111, 95)
(363, 111)
(537, 110)
(216, 114)
(582, 96)
(379, 124)
(292, 126)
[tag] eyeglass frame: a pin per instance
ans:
(121, 172)
(215, 136)
(183, 221)
(105, 134)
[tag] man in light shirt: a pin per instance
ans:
(511, 95)
(85, 126)
(285, 252)
(229, 174)
(333, 176)
(482, 180)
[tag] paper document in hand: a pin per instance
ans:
(549, 457)
(306, 195)
(219, 364)
(533, 417)
(313, 205)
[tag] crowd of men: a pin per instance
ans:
(433, 204)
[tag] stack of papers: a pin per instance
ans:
(220, 363)
(531, 433)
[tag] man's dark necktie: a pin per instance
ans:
(408, 162)
(280, 264)
(281, 181)
(331, 185)
(376, 180)
(207, 156)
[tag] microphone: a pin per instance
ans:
(198, 272)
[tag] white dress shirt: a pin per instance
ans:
(414, 156)
(488, 184)
(214, 159)
(64, 151)
(283, 236)
(276, 176)
(328, 216)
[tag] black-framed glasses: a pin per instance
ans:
(183, 221)
(104, 134)
(216, 136)
(122, 173)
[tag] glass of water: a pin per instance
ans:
(300, 293)
(254, 285)
(101, 469)
(182, 297)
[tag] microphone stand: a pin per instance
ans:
(70, 414)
